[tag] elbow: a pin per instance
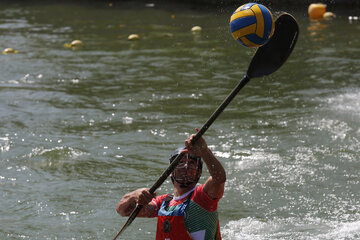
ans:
(222, 180)
(121, 211)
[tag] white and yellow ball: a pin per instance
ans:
(252, 25)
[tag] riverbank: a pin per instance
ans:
(290, 3)
(345, 3)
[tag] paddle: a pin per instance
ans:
(266, 60)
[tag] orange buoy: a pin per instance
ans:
(316, 10)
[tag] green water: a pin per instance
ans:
(80, 128)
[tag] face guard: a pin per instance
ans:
(188, 170)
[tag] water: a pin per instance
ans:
(80, 128)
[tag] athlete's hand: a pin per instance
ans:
(129, 201)
(143, 196)
(197, 149)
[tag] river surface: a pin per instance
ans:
(81, 127)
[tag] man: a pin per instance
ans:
(192, 212)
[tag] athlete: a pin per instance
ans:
(191, 213)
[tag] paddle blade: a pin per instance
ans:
(273, 54)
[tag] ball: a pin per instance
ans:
(252, 25)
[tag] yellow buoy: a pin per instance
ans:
(133, 37)
(329, 15)
(74, 44)
(9, 50)
(316, 10)
(196, 29)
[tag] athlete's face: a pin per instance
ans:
(187, 169)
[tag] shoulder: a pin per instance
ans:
(201, 198)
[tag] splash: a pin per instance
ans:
(291, 228)
(4, 144)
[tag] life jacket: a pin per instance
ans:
(171, 223)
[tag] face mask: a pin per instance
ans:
(187, 171)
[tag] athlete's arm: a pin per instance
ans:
(140, 196)
(214, 185)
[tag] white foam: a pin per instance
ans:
(4, 144)
(310, 229)
(127, 120)
(350, 230)
(348, 102)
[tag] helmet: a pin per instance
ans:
(179, 174)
